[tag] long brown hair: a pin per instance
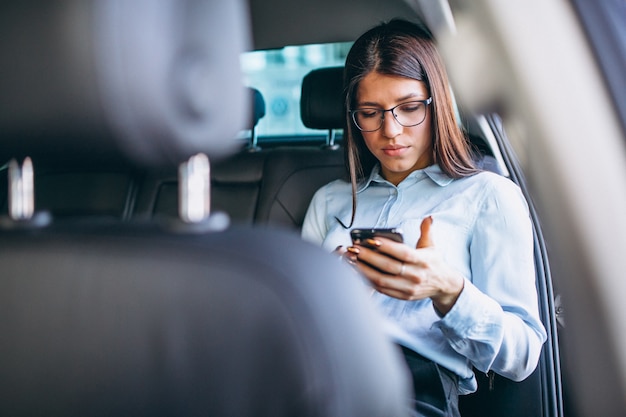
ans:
(403, 48)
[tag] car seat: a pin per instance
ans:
(322, 101)
(181, 317)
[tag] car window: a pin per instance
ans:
(278, 75)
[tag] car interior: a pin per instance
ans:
(150, 234)
(104, 313)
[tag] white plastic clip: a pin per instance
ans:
(21, 190)
(194, 189)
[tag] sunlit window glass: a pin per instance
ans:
(278, 75)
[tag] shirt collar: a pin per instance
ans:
(433, 172)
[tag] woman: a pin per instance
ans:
(460, 292)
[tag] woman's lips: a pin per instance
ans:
(394, 150)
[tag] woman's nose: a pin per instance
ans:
(391, 128)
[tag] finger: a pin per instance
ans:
(387, 247)
(425, 239)
(377, 259)
(399, 294)
(394, 286)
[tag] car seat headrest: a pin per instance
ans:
(145, 81)
(322, 99)
(258, 107)
(257, 113)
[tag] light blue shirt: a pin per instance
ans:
(481, 226)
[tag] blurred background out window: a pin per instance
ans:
(278, 74)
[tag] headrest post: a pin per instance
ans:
(253, 145)
(21, 190)
(330, 140)
(194, 192)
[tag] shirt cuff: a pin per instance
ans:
(472, 313)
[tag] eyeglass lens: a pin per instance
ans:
(407, 114)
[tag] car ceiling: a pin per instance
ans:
(277, 23)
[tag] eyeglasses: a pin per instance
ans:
(409, 114)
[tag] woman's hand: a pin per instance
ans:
(400, 271)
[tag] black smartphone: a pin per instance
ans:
(359, 235)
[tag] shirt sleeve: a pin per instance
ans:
(495, 322)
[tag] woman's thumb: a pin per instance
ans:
(425, 240)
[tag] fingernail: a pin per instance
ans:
(354, 250)
(373, 242)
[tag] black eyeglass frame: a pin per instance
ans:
(426, 103)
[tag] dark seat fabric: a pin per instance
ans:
(235, 187)
(503, 397)
(120, 320)
(291, 178)
(84, 193)
(269, 187)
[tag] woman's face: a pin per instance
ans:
(400, 150)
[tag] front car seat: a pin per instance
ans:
(104, 317)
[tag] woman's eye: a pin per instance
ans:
(410, 107)
(369, 113)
